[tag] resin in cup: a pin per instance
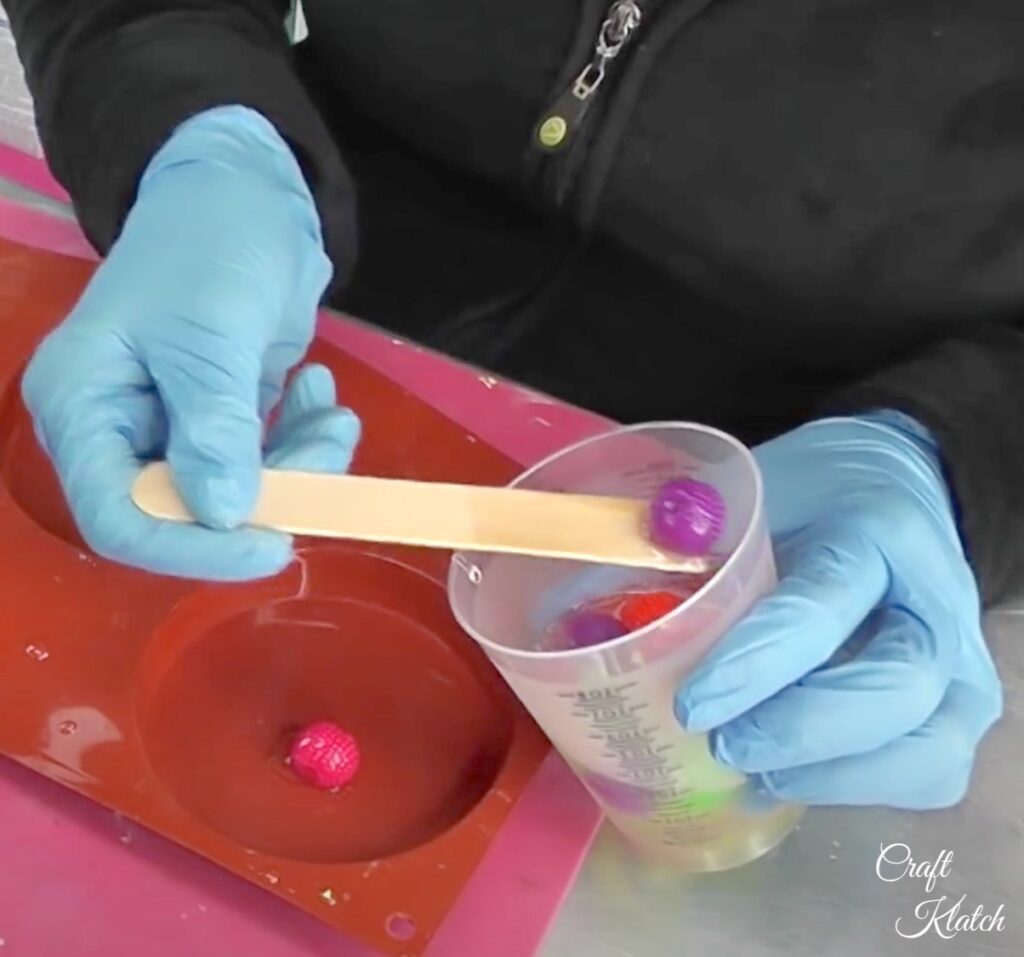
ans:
(608, 706)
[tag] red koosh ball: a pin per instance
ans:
(325, 755)
(640, 610)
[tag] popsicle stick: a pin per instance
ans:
(462, 517)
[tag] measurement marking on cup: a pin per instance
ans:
(640, 758)
(636, 757)
(615, 721)
(597, 694)
(626, 738)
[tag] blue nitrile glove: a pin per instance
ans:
(180, 346)
(865, 678)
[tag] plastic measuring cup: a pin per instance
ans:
(608, 708)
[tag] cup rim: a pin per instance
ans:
(741, 546)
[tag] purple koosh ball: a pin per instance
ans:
(586, 628)
(687, 517)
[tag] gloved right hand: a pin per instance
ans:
(180, 347)
(865, 677)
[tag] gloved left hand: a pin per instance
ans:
(180, 348)
(865, 678)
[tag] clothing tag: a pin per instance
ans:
(295, 23)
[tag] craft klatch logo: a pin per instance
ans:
(945, 915)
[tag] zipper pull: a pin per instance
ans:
(561, 121)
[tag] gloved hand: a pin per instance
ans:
(865, 678)
(180, 347)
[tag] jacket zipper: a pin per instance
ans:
(562, 121)
(475, 329)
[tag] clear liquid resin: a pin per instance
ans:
(658, 785)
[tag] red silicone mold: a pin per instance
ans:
(175, 703)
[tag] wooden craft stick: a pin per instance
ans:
(462, 517)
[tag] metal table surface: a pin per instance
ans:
(820, 893)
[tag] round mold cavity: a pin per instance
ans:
(28, 473)
(235, 673)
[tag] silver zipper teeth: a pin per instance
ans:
(622, 20)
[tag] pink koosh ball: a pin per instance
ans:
(587, 628)
(687, 516)
(325, 755)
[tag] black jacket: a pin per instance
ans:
(770, 208)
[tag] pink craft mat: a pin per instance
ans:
(30, 172)
(77, 881)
